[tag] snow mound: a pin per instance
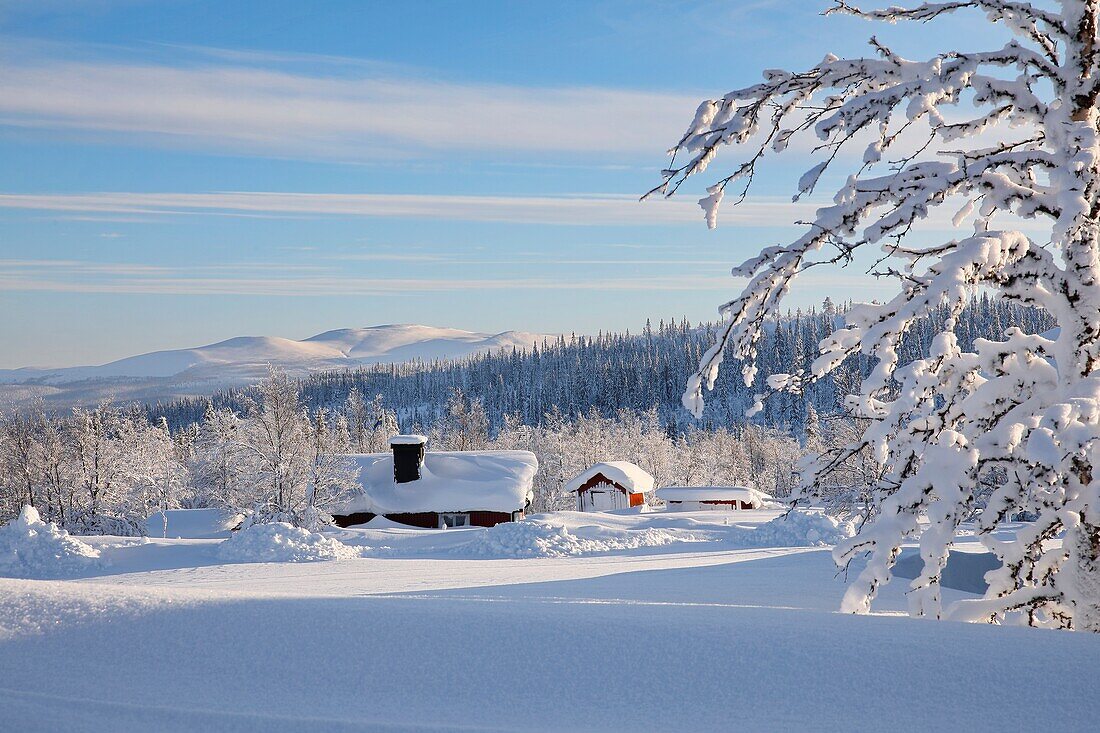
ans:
(281, 542)
(543, 539)
(31, 548)
(799, 529)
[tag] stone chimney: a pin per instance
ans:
(408, 457)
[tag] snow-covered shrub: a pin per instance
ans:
(87, 523)
(542, 539)
(31, 548)
(800, 529)
(281, 542)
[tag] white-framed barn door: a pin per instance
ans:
(604, 498)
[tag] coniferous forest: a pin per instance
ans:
(610, 372)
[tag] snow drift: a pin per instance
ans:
(31, 548)
(544, 539)
(798, 529)
(559, 535)
(281, 542)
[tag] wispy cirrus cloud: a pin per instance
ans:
(11, 270)
(246, 103)
(595, 209)
(579, 209)
(276, 279)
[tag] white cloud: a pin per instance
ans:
(362, 286)
(275, 279)
(587, 209)
(233, 105)
(578, 209)
(86, 277)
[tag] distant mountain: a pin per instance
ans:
(243, 360)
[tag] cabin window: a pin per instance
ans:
(454, 520)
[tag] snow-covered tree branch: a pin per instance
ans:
(1010, 134)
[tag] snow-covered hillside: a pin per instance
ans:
(244, 360)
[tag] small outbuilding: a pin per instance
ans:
(611, 485)
(435, 489)
(700, 498)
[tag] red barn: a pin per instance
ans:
(611, 485)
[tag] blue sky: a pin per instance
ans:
(176, 173)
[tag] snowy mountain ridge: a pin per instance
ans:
(245, 359)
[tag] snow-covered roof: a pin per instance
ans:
(408, 440)
(624, 473)
(711, 493)
(460, 481)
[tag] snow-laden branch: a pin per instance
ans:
(1024, 19)
(1007, 132)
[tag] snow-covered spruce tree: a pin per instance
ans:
(464, 425)
(1008, 132)
(359, 424)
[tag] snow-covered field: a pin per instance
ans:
(622, 621)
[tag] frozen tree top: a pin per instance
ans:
(711, 493)
(624, 473)
(460, 481)
(408, 440)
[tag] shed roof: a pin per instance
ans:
(711, 493)
(624, 473)
(458, 481)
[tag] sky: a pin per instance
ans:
(184, 171)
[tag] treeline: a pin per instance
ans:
(273, 451)
(611, 372)
(105, 470)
